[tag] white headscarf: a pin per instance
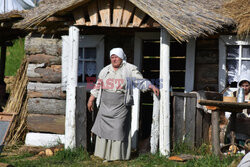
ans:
(118, 52)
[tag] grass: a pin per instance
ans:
(79, 157)
(14, 57)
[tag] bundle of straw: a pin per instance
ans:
(17, 104)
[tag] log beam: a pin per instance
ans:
(138, 17)
(93, 12)
(127, 13)
(104, 10)
(117, 12)
(79, 16)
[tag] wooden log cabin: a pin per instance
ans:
(71, 41)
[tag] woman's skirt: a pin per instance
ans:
(112, 127)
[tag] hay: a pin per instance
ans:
(17, 103)
(183, 19)
(239, 11)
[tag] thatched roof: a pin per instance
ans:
(239, 11)
(183, 19)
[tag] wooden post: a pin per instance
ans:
(70, 124)
(135, 119)
(190, 63)
(164, 141)
(215, 132)
(154, 141)
(81, 117)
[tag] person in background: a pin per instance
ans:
(113, 93)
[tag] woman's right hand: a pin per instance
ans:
(90, 104)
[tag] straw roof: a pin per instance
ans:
(239, 11)
(183, 19)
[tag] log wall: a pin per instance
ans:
(46, 104)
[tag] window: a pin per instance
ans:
(234, 60)
(86, 64)
(237, 63)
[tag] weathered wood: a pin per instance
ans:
(50, 74)
(117, 12)
(46, 123)
(164, 141)
(65, 60)
(81, 117)
(104, 10)
(138, 17)
(93, 12)
(46, 106)
(42, 58)
(79, 16)
(231, 106)
(127, 13)
(183, 94)
(48, 46)
(178, 124)
(45, 90)
(190, 121)
(215, 133)
(56, 19)
(70, 123)
(135, 119)
(198, 127)
(205, 126)
(154, 140)
(43, 139)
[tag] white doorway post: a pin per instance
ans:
(70, 124)
(164, 142)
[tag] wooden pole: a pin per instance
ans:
(154, 141)
(215, 132)
(2, 64)
(70, 123)
(135, 119)
(164, 141)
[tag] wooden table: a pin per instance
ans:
(217, 106)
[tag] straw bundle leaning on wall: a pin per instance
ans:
(17, 103)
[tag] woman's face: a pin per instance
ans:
(246, 87)
(115, 61)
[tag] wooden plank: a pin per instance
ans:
(198, 128)
(43, 58)
(93, 12)
(81, 117)
(138, 17)
(183, 94)
(56, 19)
(43, 139)
(117, 12)
(46, 123)
(104, 10)
(79, 16)
(46, 106)
(231, 106)
(206, 122)
(127, 13)
(178, 123)
(45, 90)
(190, 121)
(154, 140)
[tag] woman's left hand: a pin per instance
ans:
(155, 90)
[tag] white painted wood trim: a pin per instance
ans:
(222, 65)
(164, 142)
(70, 131)
(154, 140)
(190, 65)
(44, 139)
(139, 37)
(65, 60)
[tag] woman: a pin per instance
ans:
(113, 93)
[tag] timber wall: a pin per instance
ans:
(46, 104)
